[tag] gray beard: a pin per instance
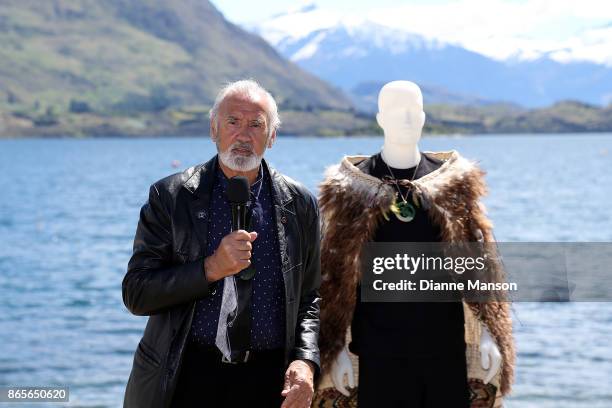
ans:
(237, 162)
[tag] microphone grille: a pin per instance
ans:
(238, 190)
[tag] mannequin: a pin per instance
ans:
(402, 118)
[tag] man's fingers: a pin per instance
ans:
(244, 255)
(240, 235)
(286, 385)
(288, 397)
(298, 394)
(243, 245)
(243, 235)
(291, 396)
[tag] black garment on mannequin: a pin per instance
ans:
(393, 339)
(438, 382)
(408, 329)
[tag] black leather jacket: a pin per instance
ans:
(165, 275)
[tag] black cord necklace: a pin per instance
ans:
(403, 210)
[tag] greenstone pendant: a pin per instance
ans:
(406, 211)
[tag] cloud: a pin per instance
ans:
(591, 45)
(503, 29)
(565, 30)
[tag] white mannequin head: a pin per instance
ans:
(400, 112)
(400, 115)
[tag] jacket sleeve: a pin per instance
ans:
(307, 329)
(153, 283)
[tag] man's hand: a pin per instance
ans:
(299, 387)
(232, 256)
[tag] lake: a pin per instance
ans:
(68, 213)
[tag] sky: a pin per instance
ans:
(572, 29)
(244, 11)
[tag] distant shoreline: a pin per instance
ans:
(564, 117)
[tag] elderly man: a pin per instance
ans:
(217, 336)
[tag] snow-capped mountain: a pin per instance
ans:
(349, 51)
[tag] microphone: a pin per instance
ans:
(238, 195)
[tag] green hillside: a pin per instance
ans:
(107, 59)
(562, 117)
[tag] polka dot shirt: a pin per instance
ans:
(268, 291)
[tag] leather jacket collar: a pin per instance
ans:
(280, 192)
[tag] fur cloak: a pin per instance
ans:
(353, 203)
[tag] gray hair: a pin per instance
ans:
(251, 89)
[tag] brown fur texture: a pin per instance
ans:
(352, 205)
